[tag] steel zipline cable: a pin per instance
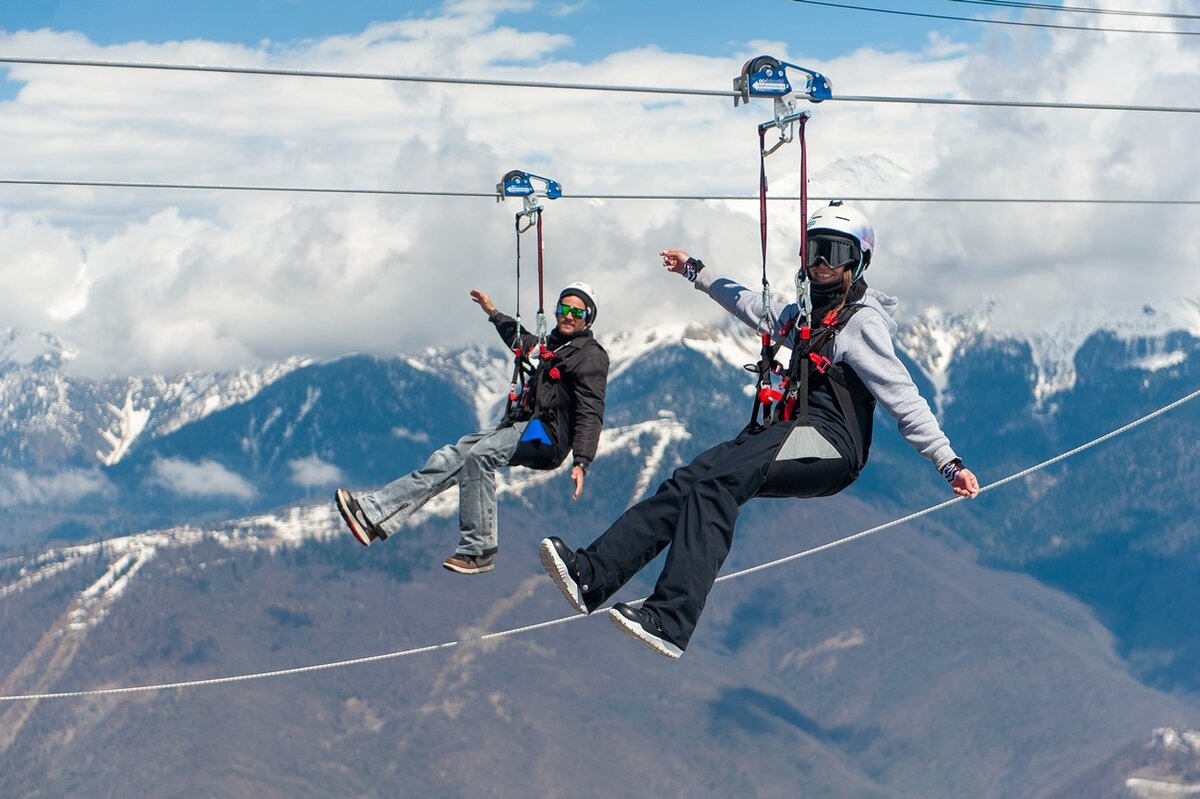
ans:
(491, 195)
(596, 87)
(987, 20)
(555, 622)
(1076, 9)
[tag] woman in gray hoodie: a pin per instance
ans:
(814, 444)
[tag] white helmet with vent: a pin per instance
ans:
(841, 235)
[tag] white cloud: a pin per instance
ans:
(312, 472)
(20, 489)
(149, 281)
(419, 436)
(206, 478)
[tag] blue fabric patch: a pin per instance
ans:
(536, 433)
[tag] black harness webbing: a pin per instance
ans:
(522, 365)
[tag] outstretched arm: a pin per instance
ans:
(506, 326)
(740, 301)
(866, 345)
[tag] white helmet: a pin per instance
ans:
(585, 292)
(842, 220)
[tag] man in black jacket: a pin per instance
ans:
(562, 410)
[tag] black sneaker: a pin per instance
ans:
(560, 563)
(639, 624)
(471, 564)
(355, 519)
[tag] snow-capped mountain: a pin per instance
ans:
(933, 342)
(50, 418)
(164, 449)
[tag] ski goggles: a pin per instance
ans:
(571, 310)
(836, 252)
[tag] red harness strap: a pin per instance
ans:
(765, 395)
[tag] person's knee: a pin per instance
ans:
(718, 488)
(442, 458)
(477, 462)
(487, 453)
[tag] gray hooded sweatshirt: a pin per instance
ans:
(864, 344)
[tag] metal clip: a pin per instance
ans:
(803, 294)
(530, 214)
(785, 119)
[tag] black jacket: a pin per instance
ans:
(566, 392)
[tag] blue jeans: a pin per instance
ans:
(471, 464)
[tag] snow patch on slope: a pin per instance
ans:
(129, 424)
(933, 340)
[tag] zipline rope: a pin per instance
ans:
(1076, 9)
(594, 87)
(542, 625)
(113, 184)
(991, 21)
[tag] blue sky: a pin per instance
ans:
(142, 281)
(597, 26)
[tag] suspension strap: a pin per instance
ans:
(762, 198)
(805, 348)
(542, 327)
(521, 357)
(764, 394)
(803, 197)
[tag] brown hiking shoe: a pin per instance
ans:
(362, 527)
(471, 564)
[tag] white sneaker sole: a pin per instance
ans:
(557, 570)
(356, 528)
(633, 630)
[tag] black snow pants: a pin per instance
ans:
(694, 512)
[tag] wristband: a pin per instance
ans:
(691, 268)
(951, 470)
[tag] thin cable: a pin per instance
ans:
(935, 508)
(262, 675)
(993, 21)
(491, 195)
(1081, 9)
(313, 73)
(568, 86)
(851, 98)
(553, 622)
(121, 184)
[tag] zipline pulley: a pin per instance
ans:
(766, 76)
(520, 184)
